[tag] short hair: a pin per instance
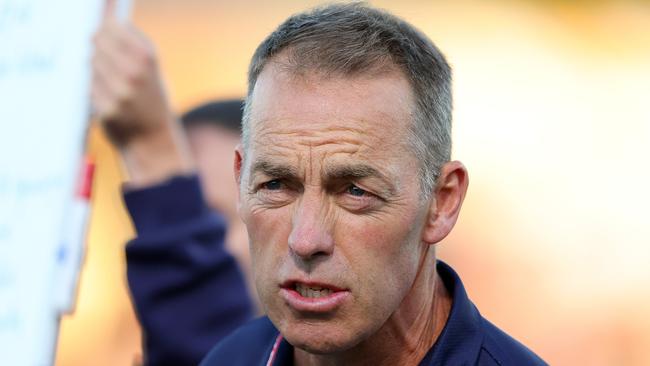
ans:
(354, 39)
(221, 113)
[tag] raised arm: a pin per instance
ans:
(187, 289)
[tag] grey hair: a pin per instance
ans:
(353, 39)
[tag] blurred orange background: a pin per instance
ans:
(552, 119)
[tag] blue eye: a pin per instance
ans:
(356, 191)
(273, 185)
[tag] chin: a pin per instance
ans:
(320, 346)
(321, 339)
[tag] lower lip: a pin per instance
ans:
(323, 304)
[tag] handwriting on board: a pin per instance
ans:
(44, 79)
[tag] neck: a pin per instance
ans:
(409, 332)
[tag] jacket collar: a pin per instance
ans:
(461, 339)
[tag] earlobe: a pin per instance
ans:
(445, 202)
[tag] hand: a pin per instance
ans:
(129, 99)
(127, 91)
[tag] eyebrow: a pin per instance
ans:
(358, 172)
(274, 170)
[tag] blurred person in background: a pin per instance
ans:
(213, 132)
(188, 265)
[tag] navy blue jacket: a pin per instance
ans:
(467, 339)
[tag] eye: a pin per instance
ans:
(356, 191)
(358, 200)
(272, 185)
(274, 193)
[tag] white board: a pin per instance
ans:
(45, 49)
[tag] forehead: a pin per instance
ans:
(315, 109)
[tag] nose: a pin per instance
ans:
(310, 234)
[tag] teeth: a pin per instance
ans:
(312, 292)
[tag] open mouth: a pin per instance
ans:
(312, 291)
(313, 297)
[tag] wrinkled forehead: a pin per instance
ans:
(373, 106)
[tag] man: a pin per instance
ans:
(345, 188)
(346, 185)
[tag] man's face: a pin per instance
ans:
(330, 195)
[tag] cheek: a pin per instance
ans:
(268, 231)
(379, 241)
(265, 226)
(384, 255)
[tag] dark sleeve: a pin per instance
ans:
(188, 291)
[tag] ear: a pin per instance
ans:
(237, 166)
(445, 203)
